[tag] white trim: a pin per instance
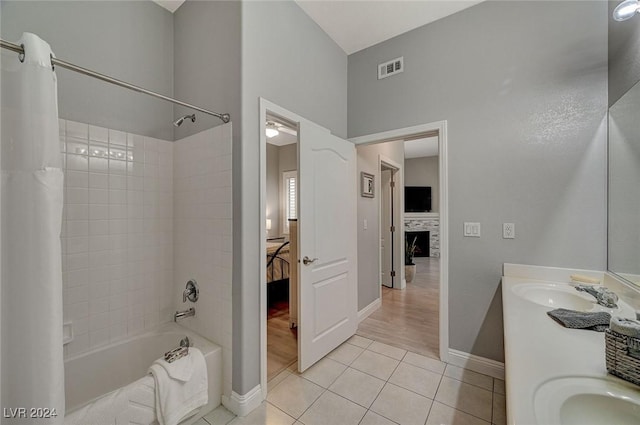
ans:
(262, 118)
(441, 128)
(424, 216)
(368, 310)
(444, 238)
(242, 405)
(476, 363)
(273, 109)
(397, 134)
(398, 173)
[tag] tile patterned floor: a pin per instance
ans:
(364, 382)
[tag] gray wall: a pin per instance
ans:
(624, 59)
(288, 158)
(289, 60)
(287, 161)
(128, 40)
(523, 88)
(369, 209)
(207, 62)
(424, 172)
(273, 190)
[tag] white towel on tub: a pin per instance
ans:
(177, 399)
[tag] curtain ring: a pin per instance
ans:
(53, 67)
(21, 55)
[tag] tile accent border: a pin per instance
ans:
(476, 363)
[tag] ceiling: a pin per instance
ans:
(357, 24)
(170, 5)
(421, 147)
(282, 139)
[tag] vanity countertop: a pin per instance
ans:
(537, 349)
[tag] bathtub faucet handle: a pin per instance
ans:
(191, 292)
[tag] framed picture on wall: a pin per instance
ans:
(367, 183)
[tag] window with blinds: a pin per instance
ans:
(289, 198)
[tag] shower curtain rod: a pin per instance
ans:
(67, 65)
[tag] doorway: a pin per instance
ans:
(281, 243)
(323, 257)
(389, 222)
(387, 227)
(419, 306)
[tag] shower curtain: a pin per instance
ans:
(31, 206)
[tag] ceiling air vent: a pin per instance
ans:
(390, 68)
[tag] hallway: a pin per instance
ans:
(408, 318)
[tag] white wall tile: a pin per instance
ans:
(103, 258)
(99, 134)
(76, 129)
(202, 233)
(142, 216)
(98, 337)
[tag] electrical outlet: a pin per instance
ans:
(471, 230)
(365, 224)
(508, 231)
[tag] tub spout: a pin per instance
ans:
(184, 313)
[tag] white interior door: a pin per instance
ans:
(328, 313)
(386, 237)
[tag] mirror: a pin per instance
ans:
(624, 187)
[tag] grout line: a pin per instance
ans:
(324, 390)
(467, 413)
(492, 405)
(382, 354)
(434, 397)
(331, 383)
(276, 407)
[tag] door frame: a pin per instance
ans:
(399, 282)
(266, 107)
(401, 133)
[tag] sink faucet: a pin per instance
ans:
(184, 313)
(603, 296)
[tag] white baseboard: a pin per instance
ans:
(366, 312)
(476, 363)
(242, 405)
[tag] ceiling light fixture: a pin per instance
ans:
(271, 130)
(626, 10)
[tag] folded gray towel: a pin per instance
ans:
(627, 327)
(580, 320)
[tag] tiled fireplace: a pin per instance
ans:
(429, 222)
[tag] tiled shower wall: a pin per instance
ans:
(203, 242)
(142, 216)
(117, 236)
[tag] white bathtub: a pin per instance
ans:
(114, 378)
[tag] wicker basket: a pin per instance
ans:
(623, 356)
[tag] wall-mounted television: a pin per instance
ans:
(417, 198)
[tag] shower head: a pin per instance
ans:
(180, 120)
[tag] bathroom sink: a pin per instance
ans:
(555, 296)
(586, 400)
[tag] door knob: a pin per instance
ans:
(306, 260)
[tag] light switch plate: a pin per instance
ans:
(471, 230)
